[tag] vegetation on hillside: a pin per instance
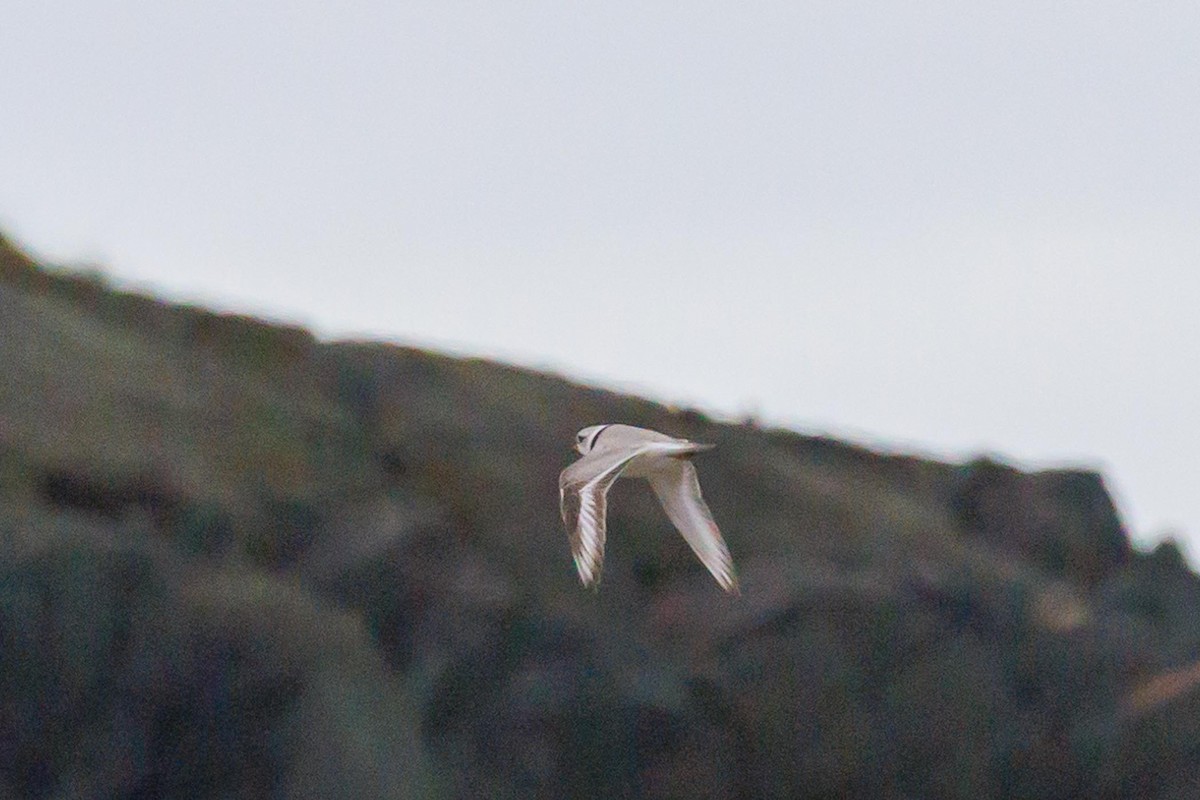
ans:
(237, 561)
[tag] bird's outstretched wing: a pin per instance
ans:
(583, 496)
(678, 489)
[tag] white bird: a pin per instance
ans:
(611, 451)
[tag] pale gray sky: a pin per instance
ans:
(945, 227)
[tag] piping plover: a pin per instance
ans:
(611, 451)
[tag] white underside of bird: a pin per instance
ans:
(614, 451)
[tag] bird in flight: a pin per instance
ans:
(612, 451)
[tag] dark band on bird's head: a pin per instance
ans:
(596, 436)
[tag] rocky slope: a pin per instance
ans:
(237, 561)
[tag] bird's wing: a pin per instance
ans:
(678, 489)
(583, 492)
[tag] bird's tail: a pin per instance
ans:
(690, 449)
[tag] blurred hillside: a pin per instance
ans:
(239, 562)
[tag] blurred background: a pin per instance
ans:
(926, 275)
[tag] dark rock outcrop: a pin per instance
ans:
(1063, 521)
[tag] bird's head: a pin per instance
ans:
(587, 437)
